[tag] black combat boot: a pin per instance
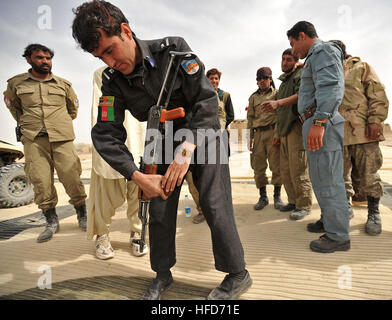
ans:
(277, 200)
(316, 227)
(82, 218)
(263, 201)
(373, 224)
(52, 225)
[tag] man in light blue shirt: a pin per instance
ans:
(320, 95)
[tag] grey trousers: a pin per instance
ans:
(326, 175)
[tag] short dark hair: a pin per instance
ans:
(341, 46)
(213, 71)
(35, 47)
(289, 52)
(302, 26)
(92, 15)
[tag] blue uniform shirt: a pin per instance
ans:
(322, 81)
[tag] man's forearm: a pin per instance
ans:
(292, 100)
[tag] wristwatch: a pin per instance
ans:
(319, 123)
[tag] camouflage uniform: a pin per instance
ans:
(364, 102)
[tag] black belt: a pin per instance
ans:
(42, 134)
(265, 128)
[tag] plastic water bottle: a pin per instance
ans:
(187, 207)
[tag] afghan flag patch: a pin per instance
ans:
(106, 108)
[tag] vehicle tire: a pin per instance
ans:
(15, 190)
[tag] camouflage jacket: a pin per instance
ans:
(364, 101)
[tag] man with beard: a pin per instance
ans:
(44, 105)
(293, 162)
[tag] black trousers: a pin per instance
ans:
(213, 183)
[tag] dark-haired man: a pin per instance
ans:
(293, 163)
(263, 141)
(44, 105)
(133, 82)
(365, 107)
(320, 95)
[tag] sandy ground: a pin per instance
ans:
(276, 250)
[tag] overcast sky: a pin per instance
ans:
(237, 37)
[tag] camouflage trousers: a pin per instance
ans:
(264, 151)
(367, 159)
(294, 169)
(42, 158)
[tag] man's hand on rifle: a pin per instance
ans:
(178, 168)
(150, 184)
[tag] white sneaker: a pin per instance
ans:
(103, 248)
(136, 250)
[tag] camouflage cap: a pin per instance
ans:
(263, 72)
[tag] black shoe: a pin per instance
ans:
(288, 207)
(82, 218)
(327, 245)
(157, 288)
(316, 227)
(263, 201)
(231, 288)
(373, 224)
(52, 225)
(299, 214)
(278, 203)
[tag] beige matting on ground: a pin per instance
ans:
(276, 250)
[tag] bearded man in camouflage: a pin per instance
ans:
(365, 107)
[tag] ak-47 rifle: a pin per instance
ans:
(157, 117)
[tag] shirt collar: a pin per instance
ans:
(311, 50)
(145, 53)
(265, 92)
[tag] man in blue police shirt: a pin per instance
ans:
(320, 95)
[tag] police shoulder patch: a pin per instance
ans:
(190, 66)
(106, 108)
